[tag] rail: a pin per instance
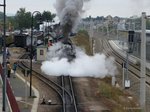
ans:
(11, 97)
(60, 90)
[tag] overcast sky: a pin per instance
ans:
(123, 8)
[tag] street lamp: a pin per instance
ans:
(31, 50)
(4, 57)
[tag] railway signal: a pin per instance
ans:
(126, 81)
(130, 36)
(130, 41)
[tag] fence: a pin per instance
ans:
(13, 103)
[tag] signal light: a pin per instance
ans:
(130, 36)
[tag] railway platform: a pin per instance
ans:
(20, 90)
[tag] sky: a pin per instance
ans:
(122, 8)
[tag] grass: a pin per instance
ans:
(117, 98)
(82, 40)
(106, 90)
(114, 98)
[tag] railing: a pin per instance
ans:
(11, 97)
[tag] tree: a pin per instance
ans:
(37, 20)
(48, 16)
(23, 19)
(11, 24)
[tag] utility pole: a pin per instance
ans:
(91, 28)
(107, 29)
(123, 81)
(126, 82)
(4, 58)
(91, 34)
(127, 68)
(143, 63)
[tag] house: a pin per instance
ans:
(41, 52)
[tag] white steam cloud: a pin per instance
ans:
(82, 66)
(69, 13)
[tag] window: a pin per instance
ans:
(41, 52)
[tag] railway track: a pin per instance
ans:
(65, 90)
(132, 68)
(70, 103)
(134, 75)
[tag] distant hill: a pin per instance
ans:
(7, 15)
(10, 14)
